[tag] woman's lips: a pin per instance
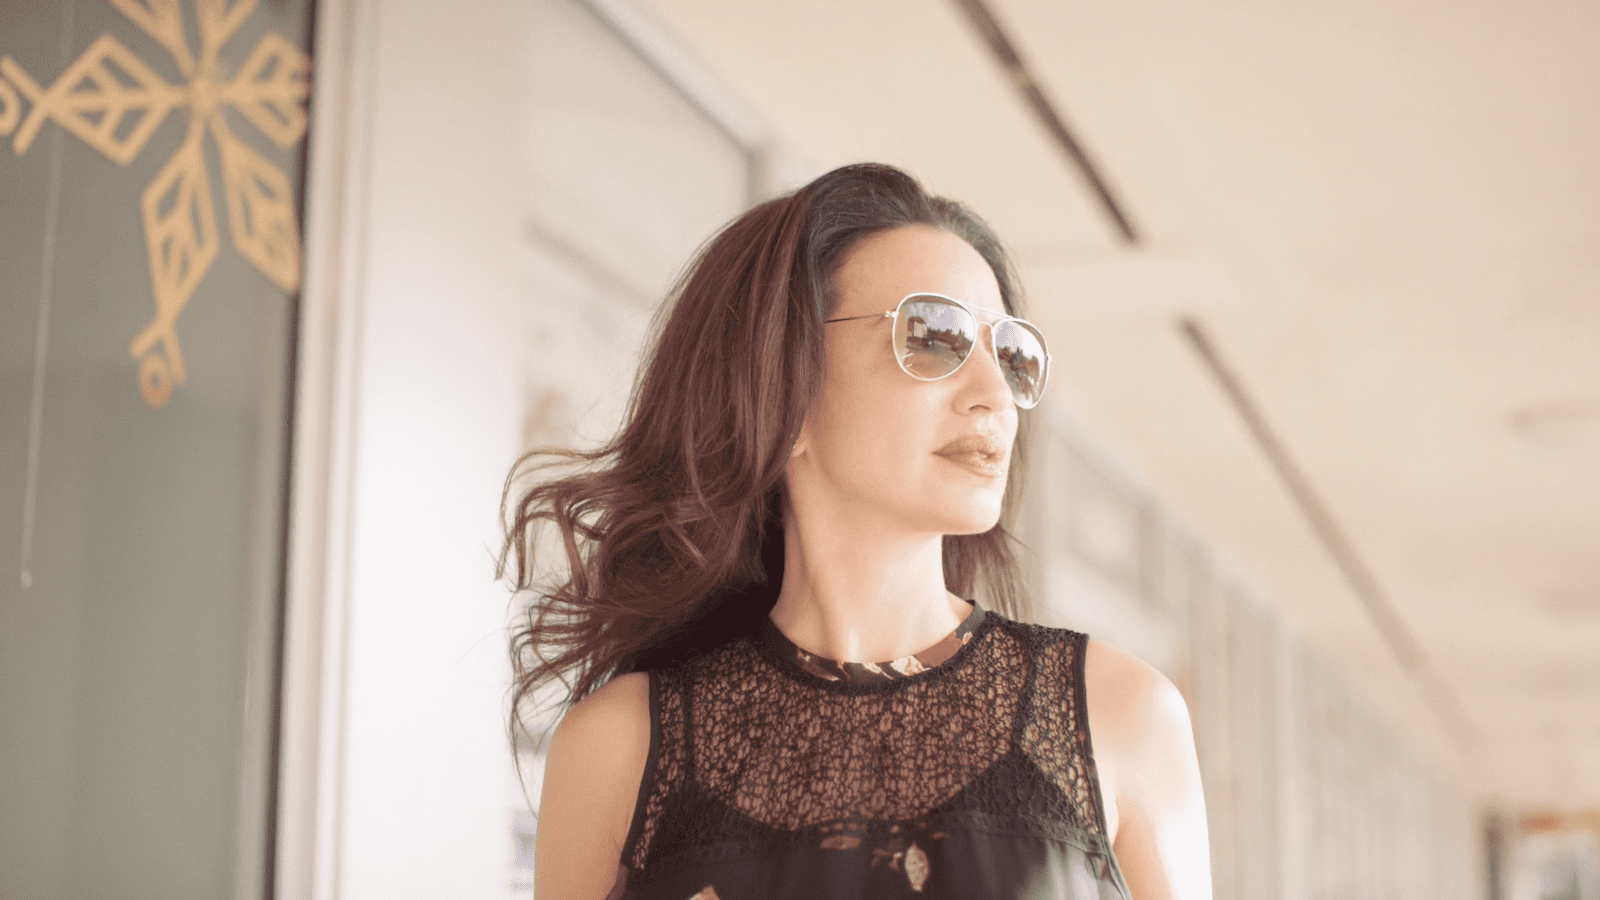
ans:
(983, 454)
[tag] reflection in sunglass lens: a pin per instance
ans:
(1022, 359)
(933, 336)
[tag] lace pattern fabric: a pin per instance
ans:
(755, 756)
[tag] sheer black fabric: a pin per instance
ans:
(972, 777)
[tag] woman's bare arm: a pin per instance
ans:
(1149, 775)
(591, 784)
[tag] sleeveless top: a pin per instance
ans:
(774, 773)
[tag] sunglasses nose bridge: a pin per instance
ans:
(994, 344)
(992, 354)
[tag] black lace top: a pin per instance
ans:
(964, 771)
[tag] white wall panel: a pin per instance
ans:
(424, 761)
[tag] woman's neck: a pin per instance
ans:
(863, 594)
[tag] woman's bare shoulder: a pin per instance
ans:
(616, 711)
(1150, 779)
(601, 748)
(591, 785)
(1137, 717)
(1132, 693)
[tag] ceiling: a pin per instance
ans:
(1386, 216)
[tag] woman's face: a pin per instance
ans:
(926, 456)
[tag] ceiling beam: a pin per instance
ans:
(1005, 52)
(1402, 642)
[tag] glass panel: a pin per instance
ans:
(147, 304)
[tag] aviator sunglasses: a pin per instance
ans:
(934, 334)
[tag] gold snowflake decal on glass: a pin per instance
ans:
(112, 101)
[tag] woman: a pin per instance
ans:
(782, 685)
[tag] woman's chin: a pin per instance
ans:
(974, 512)
(978, 520)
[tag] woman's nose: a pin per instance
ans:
(986, 377)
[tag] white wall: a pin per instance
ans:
(425, 772)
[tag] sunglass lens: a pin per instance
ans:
(1020, 348)
(932, 336)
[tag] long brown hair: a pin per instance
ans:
(672, 532)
